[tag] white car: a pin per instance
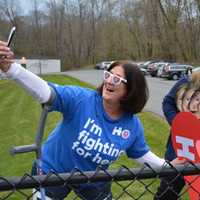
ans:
(196, 69)
(103, 65)
(144, 71)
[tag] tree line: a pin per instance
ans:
(84, 32)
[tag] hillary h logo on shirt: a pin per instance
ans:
(91, 144)
(120, 132)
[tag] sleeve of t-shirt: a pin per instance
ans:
(169, 102)
(66, 98)
(139, 146)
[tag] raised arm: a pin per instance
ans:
(32, 83)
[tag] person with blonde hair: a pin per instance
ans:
(183, 96)
(179, 97)
(188, 98)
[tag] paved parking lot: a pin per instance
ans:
(158, 87)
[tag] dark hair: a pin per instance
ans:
(137, 88)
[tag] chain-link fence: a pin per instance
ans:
(137, 183)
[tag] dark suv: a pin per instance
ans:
(174, 70)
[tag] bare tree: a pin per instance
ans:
(172, 13)
(82, 32)
(191, 29)
(11, 10)
(56, 12)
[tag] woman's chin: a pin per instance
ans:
(106, 98)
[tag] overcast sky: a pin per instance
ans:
(26, 5)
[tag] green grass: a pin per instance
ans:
(19, 115)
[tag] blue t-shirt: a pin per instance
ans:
(87, 137)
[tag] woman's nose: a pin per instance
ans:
(109, 79)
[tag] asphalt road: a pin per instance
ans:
(158, 87)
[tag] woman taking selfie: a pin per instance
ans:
(97, 125)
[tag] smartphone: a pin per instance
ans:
(11, 34)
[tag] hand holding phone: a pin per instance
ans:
(11, 34)
(5, 57)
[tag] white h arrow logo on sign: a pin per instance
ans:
(186, 143)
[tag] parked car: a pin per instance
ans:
(140, 65)
(154, 67)
(144, 71)
(174, 70)
(103, 65)
(196, 69)
(159, 73)
(147, 63)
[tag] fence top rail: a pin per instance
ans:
(77, 176)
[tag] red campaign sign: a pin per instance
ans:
(186, 142)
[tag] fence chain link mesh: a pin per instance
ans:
(134, 184)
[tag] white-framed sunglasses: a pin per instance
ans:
(115, 79)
